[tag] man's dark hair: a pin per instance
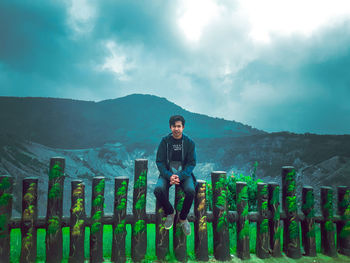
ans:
(176, 118)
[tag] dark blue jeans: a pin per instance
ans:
(161, 191)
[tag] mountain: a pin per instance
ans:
(104, 138)
(132, 120)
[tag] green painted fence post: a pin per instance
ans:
(308, 224)
(6, 187)
(343, 227)
(220, 217)
(243, 221)
(179, 237)
(291, 231)
(96, 232)
(139, 226)
(162, 235)
(327, 225)
(263, 235)
(200, 224)
(29, 219)
(77, 222)
(274, 222)
(119, 222)
(54, 240)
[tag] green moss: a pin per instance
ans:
(121, 191)
(141, 181)
(221, 200)
(291, 187)
(5, 199)
(277, 215)
(120, 228)
(5, 183)
(99, 188)
(98, 201)
(277, 234)
(245, 230)
(95, 227)
(243, 195)
(263, 191)
(345, 231)
(329, 226)
(77, 228)
(293, 229)
(290, 176)
(222, 221)
(56, 171)
(264, 206)
(78, 206)
(97, 216)
(141, 203)
(140, 227)
(221, 182)
(53, 225)
(122, 204)
(55, 191)
(291, 203)
(3, 224)
(309, 201)
(275, 195)
(264, 226)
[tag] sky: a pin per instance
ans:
(272, 64)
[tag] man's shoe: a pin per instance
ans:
(169, 221)
(186, 228)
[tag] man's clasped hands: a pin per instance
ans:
(174, 179)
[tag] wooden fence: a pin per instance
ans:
(268, 218)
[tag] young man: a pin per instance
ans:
(176, 159)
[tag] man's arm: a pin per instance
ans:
(161, 160)
(191, 163)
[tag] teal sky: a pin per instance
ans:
(274, 65)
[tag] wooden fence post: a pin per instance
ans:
(6, 186)
(291, 231)
(263, 237)
(77, 222)
(179, 237)
(243, 221)
(162, 235)
(327, 225)
(96, 232)
(308, 224)
(343, 227)
(29, 218)
(54, 241)
(119, 222)
(220, 217)
(139, 227)
(200, 224)
(274, 222)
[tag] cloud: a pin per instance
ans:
(208, 60)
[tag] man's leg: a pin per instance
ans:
(189, 190)
(161, 192)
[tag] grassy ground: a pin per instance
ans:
(150, 256)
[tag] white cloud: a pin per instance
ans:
(270, 17)
(81, 15)
(194, 15)
(117, 61)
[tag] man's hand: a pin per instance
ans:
(174, 179)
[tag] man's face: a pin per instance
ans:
(177, 129)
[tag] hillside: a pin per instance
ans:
(133, 120)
